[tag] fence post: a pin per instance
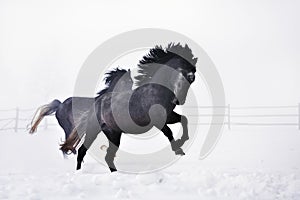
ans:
(17, 119)
(228, 116)
(299, 116)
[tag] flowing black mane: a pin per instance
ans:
(160, 55)
(109, 77)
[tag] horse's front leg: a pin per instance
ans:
(114, 139)
(176, 118)
(168, 133)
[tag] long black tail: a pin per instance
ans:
(43, 111)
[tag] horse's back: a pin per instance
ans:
(134, 111)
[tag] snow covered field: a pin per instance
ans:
(245, 165)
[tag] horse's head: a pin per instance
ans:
(173, 67)
(181, 77)
(183, 62)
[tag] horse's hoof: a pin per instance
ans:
(112, 169)
(78, 167)
(176, 145)
(179, 152)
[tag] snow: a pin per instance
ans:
(33, 168)
(206, 184)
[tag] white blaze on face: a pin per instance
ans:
(180, 88)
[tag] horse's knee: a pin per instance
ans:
(184, 120)
(185, 138)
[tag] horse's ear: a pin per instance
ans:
(195, 60)
(128, 70)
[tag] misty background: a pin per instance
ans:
(254, 45)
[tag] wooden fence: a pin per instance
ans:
(255, 115)
(19, 119)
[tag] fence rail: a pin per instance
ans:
(17, 120)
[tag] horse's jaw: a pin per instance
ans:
(177, 102)
(180, 94)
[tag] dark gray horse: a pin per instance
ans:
(67, 115)
(164, 80)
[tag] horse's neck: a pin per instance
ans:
(119, 87)
(163, 77)
(174, 81)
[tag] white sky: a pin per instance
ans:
(255, 45)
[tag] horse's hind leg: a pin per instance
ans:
(81, 153)
(92, 130)
(86, 145)
(68, 127)
(175, 146)
(114, 143)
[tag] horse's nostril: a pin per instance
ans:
(191, 77)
